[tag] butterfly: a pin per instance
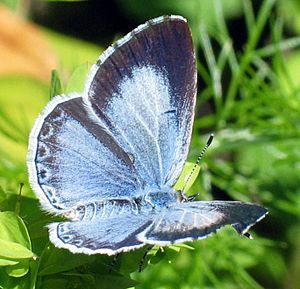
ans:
(107, 159)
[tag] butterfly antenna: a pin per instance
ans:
(209, 141)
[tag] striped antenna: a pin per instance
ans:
(210, 139)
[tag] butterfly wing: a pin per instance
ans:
(128, 131)
(143, 88)
(196, 220)
(100, 235)
(73, 160)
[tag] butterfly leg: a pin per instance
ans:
(113, 263)
(144, 258)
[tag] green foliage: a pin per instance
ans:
(144, 10)
(188, 177)
(55, 87)
(251, 103)
(77, 79)
(15, 248)
(12, 4)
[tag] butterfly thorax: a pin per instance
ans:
(160, 198)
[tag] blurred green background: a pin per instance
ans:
(248, 62)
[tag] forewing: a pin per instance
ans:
(143, 88)
(196, 220)
(73, 159)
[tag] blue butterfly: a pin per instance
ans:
(108, 158)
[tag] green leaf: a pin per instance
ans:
(87, 281)
(158, 256)
(188, 176)
(21, 99)
(14, 231)
(7, 262)
(180, 246)
(77, 279)
(18, 270)
(3, 278)
(130, 261)
(77, 79)
(2, 198)
(113, 281)
(15, 245)
(55, 86)
(56, 282)
(14, 250)
(51, 262)
(8, 282)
